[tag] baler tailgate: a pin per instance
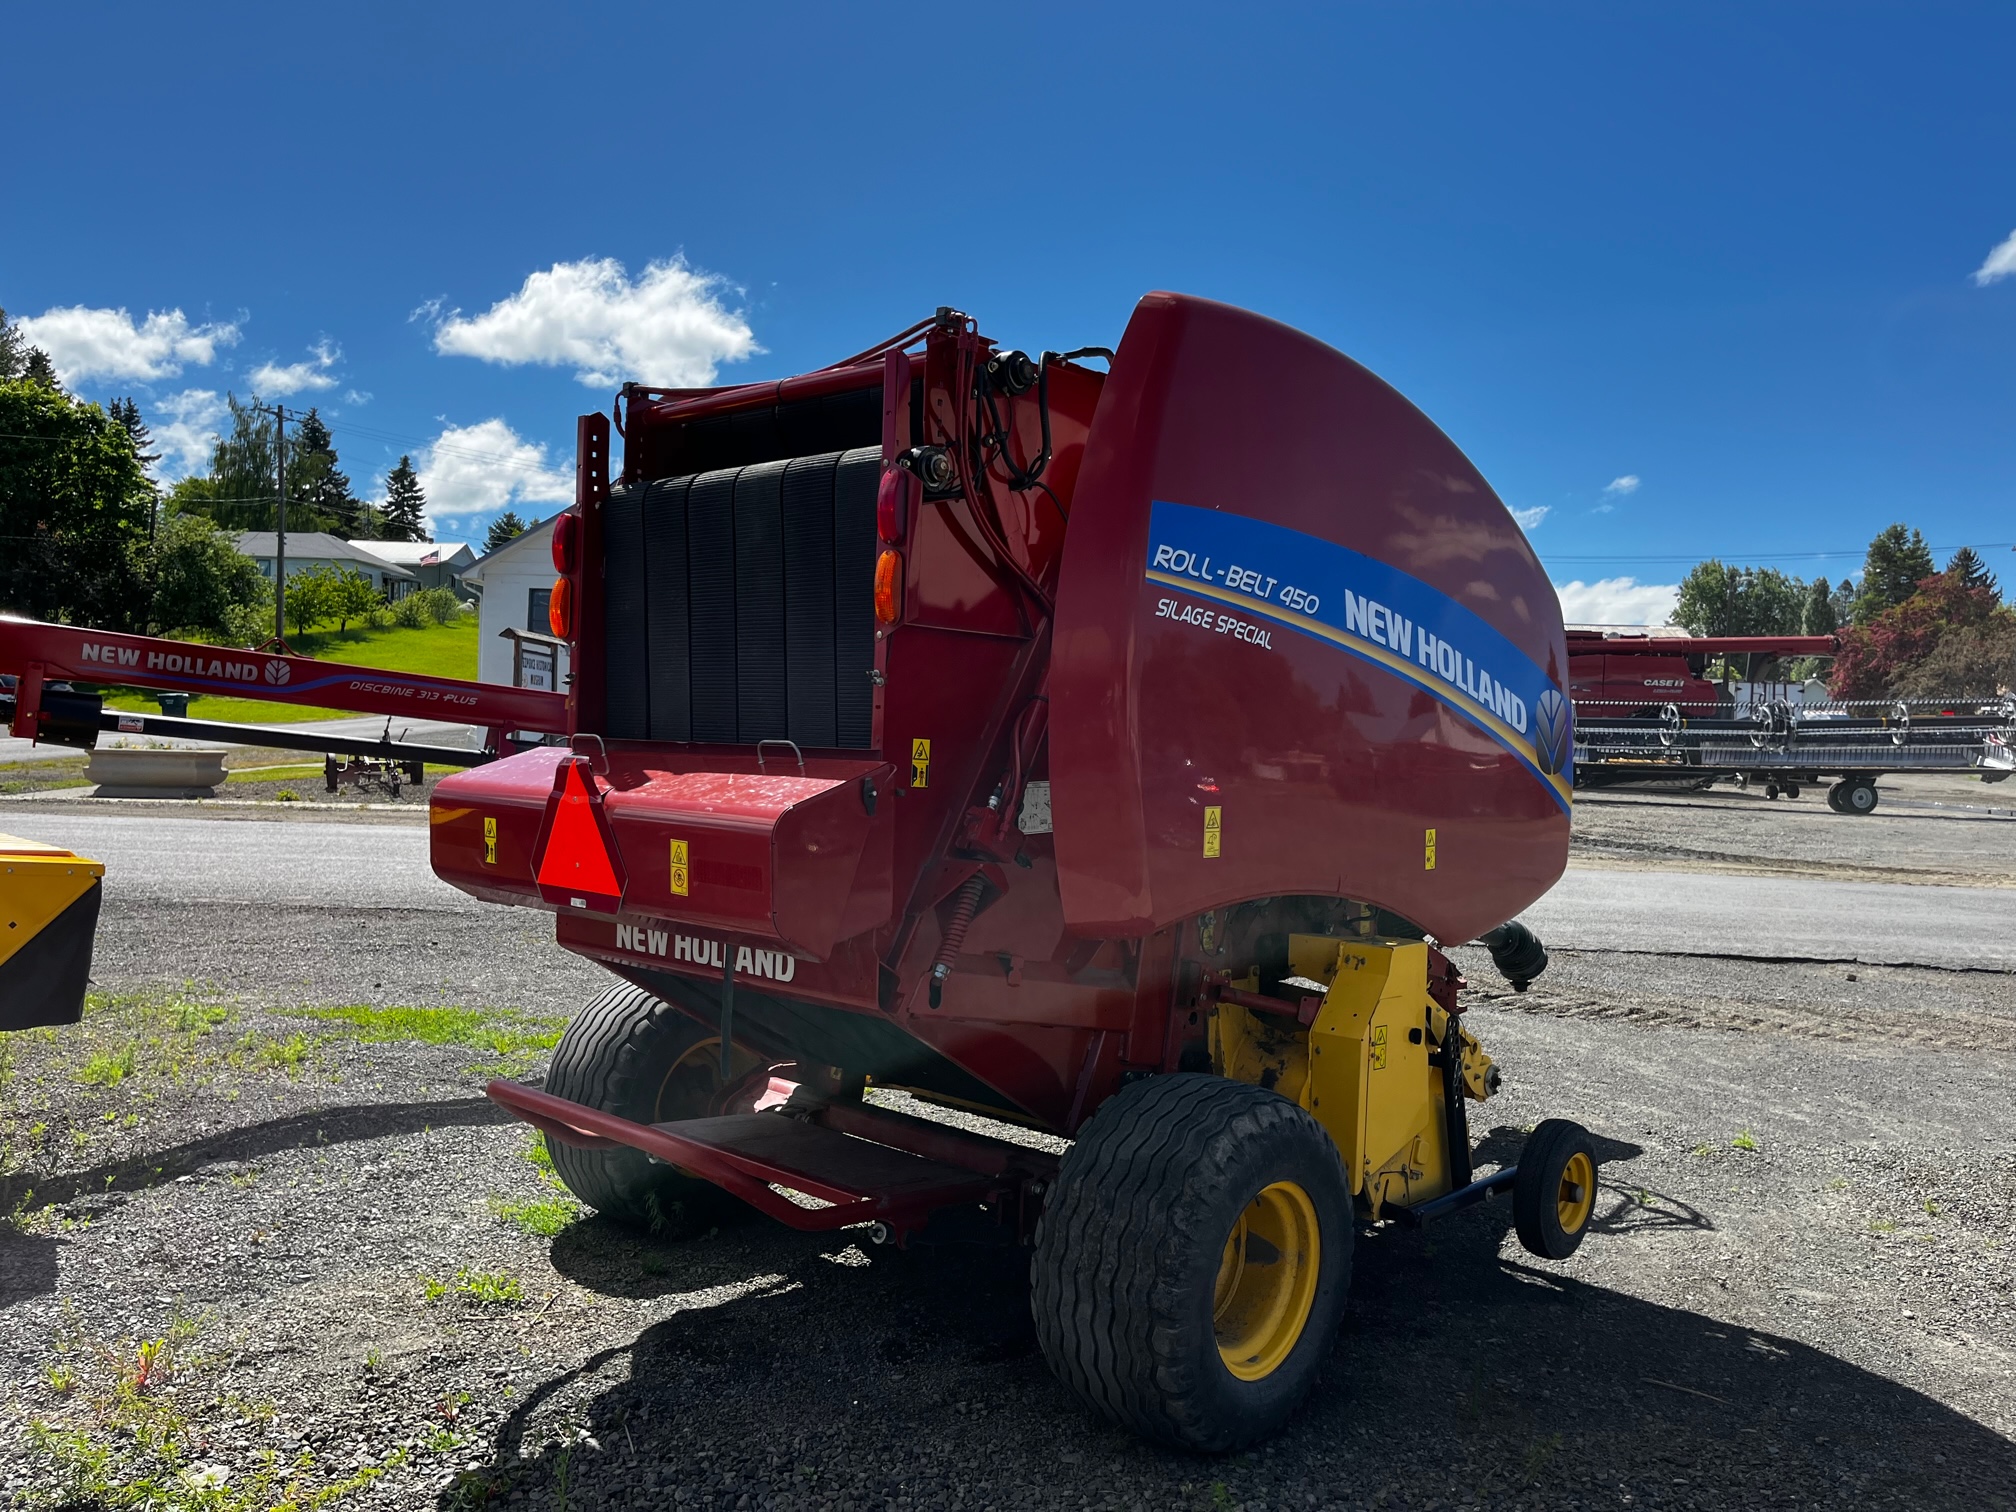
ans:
(749, 1154)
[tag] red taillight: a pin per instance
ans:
(566, 533)
(888, 586)
(892, 505)
(560, 608)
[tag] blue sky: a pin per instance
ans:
(1744, 255)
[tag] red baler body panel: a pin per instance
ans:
(1329, 768)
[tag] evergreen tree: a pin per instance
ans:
(13, 350)
(127, 413)
(1844, 602)
(39, 369)
(1898, 561)
(314, 481)
(405, 505)
(506, 528)
(1967, 566)
(1819, 615)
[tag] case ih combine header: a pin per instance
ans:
(1645, 713)
(1103, 752)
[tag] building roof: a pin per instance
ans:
(537, 533)
(417, 553)
(313, 546)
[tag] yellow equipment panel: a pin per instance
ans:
(48, 918)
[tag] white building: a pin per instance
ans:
(435, 564)
(309, 549)
(516, 582)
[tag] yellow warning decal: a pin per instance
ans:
(489, 840)
(920, 763)
(680, 864)
(1429, 864)
(1214, 830)
(1379, 1047)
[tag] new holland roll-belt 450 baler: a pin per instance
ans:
(1100, 751)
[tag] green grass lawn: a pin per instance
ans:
(435, 650)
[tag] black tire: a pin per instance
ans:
(1134, 1251)
(1834, 797)
(620, 1056)
(1858, 796)
(1559, 1157)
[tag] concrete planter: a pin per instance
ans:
(128, 772)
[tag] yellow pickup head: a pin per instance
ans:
(48, 920)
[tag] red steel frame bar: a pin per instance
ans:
(732, 1171)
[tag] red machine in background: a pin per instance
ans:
(1644, 714)
(1623, 675)
(1095, 750)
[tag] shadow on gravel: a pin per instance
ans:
(827, 1379)
(324, 1126)
(27, 1265)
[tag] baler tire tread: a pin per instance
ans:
(1118, 1324)
(596, 1064)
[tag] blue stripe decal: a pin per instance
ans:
(1385, 616)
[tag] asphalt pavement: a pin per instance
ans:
(344, 864)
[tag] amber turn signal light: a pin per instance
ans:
(888, 586)
(560, 609)
(566, 534)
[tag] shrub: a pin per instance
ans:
(410, 613)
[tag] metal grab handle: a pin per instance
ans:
(591, 735)
(794, 751)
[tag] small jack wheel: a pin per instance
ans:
(1554, 1195)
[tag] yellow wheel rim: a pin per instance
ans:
(1577, 1195)
(1266, 1281)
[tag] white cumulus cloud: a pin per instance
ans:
(85, 343)
(1528, 518)
(669, 328)
(1628, 484)
(1617, 601)
(2000, 263)
(273, 380)
(189, 434)
(482, 468)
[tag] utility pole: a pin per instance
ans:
(280, 522)
(280, 417)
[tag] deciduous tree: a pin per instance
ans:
(1947, 632)
(1717, 599)
(74, 511)
(203, 585)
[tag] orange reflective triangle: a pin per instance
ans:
(576, 859)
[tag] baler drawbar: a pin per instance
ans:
(1097, 753)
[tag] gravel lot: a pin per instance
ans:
(1799, 1293)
